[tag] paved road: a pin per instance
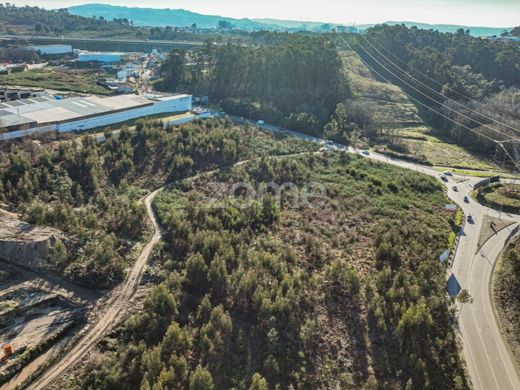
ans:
(488, 357)
(105, 40)
(113, 309)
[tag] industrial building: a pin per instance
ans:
(104, 57)
(11, 94)
(50, 49)
(46, 114)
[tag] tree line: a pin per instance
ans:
(296, 82)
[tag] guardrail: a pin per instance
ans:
(486, 182)
(512, 235)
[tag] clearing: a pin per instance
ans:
(57, 78)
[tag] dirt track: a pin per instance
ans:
(111, 312)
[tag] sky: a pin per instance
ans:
(492, 13)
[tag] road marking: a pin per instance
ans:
(475, 326)
(497, 343)
(468, 346)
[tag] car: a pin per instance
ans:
(466, 199)
(448, 173)
(455, 188)
(260, 122)
(365, 152)
(444, 178)
(470, 219)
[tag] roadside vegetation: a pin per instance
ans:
(91, 191)
(506, 293)
(61, 79)
(296, 82)
(346, 294)
(505, 197)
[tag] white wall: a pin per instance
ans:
(161, 107)
(85, 57)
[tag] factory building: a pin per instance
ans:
(104, 57)
(45, 114)
(50, 49)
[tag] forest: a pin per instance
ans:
(91, 190)
(295, 82)
(347, 294)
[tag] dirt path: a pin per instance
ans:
(110, 313)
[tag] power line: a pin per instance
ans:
(428, 77)
(433, 90)
(443, 115)
(431, 98)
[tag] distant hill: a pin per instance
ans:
(153, 17)
(449, 28)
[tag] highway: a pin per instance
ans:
(37, 38)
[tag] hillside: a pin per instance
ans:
(22, 20)
(91, 191)
(284, 293)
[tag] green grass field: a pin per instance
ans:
(501, 196)
(391, 104)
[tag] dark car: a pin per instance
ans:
(466, 199)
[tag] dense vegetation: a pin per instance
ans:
(469, 81)
(346, 294)
(506, 292)
(18, 54)
(296, 82)
(91, 191)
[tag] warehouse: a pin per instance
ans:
(50, 49)
(45, 114)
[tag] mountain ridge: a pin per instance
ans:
(162, 17)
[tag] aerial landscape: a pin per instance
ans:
(209, 195)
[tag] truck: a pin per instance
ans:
(10, 352)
